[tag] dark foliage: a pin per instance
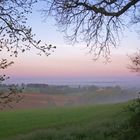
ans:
(130, 129)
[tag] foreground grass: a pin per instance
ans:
(75, 123)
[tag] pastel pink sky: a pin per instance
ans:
(72, 63)
(69, 61)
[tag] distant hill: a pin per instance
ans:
(43, 95)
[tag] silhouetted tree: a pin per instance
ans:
(8, 94)
(135, 62)
(99, 23)
(15, 35)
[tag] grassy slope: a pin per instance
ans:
(61, 123)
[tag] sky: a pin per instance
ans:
(69, 62)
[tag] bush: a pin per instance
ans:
(130, 129)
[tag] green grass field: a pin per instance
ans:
(68, 123)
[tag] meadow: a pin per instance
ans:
(88, 122)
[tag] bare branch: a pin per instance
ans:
(99, 23)
(15, 35)
(8, 94)
(135, 62)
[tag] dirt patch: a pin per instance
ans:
(41, 100)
